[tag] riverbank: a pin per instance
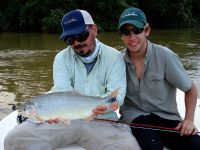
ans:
(7, 100)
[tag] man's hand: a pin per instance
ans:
(100, 110)
(186, 127)
(51, 121)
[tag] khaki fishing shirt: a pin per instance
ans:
(108, 74)
(156, 90)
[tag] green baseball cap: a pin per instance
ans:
(133, 16)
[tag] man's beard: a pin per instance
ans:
(79, 46)
(81, 52)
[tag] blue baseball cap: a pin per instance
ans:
(133, 16)
(75, 22)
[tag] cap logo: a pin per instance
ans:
(70, 21)
(75, 22)
(130, 14)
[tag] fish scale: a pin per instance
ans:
(64, 106)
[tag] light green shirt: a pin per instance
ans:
(156, 91)
(108, 74)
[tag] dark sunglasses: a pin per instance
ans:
(69, 40)
(135, 30)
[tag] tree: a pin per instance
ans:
(168, 13)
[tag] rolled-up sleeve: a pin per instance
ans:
(176, 74)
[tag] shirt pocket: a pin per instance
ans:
(155, 82)
(99, 84)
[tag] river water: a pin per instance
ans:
(26, 60)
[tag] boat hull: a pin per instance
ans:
(9, 122)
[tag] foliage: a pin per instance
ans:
(45, 15)
(11, 21)
(1, 20)
(168, 13)
(106, 13)
(52, 23)
(196, 12)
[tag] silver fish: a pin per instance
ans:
(65, 106)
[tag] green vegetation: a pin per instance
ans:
(45, 15)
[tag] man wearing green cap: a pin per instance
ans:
(154, 73)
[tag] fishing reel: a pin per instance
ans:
(20, 118)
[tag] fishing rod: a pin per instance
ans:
(144, 126)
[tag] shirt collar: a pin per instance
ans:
(149, 50)
(98, 45)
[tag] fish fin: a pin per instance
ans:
(90, 118)
(66, 121)
(115, 92)
(40, 119)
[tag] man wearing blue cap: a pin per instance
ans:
(91, 68)
(153, 74)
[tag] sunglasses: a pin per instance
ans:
(69, 40)
(135, 30)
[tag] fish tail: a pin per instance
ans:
(114, 93)
(114, 104)
(112, 99)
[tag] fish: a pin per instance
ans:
(65, 106)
